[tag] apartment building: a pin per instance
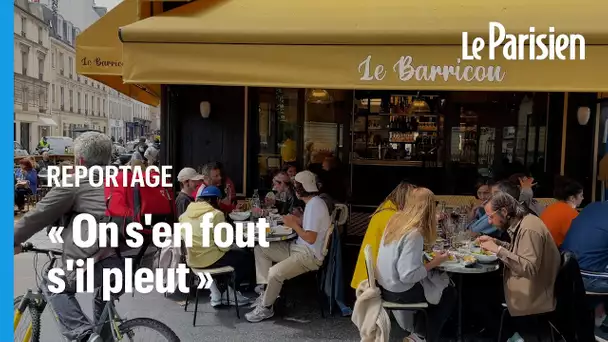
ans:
(31, 74)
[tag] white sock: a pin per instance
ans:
(215, 292)
(600, 320)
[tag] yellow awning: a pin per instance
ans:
(99, 54)
(319, 43)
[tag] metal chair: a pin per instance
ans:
(317, 273)
(390, 306)
(226, 271)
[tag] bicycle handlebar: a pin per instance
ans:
(29, 247)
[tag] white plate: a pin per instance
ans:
(281, 230)
(239, 215)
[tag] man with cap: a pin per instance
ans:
(213, 256)
(292, 258)
(188, 180)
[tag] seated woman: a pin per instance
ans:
(26, 182)
(402, 275)
(285, 197)
(392, 203)
(559, 215)
(479, 221)
(208, 201)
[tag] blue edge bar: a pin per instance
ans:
(6, 173)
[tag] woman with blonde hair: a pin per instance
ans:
(401, 273)
(392, 203)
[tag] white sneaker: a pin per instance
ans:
(94, 338)
(259, 289)
(516, 338)
(242, 300)
(259, 314)
(215, 300)
(414, 338)
(258, 301)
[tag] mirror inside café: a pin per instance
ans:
(441, 140)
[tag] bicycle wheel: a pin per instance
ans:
(29, 323)
(146, 330)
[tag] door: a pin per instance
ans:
(25, 135)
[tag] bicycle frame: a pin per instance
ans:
(39, 303)
(109, 314)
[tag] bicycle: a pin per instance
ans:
(35, 303)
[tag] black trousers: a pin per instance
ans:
(533, 328)
(241, 260)
(20, 194)
(437, 314)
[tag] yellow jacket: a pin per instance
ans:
(373, 236)
(199, 256)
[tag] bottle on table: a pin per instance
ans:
(256, 205)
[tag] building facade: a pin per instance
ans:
(50, 98)
(32, 74)
(82, 13)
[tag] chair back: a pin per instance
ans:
(340, 214)
(573, 317)
(327, 240)
(369, 265)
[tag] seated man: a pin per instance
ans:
(531, 262)
(587, 238)
(292, 258)
(208, 201)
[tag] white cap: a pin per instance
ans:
(187, 174)
(308, 181)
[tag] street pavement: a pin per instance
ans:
(212, 325)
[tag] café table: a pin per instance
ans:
(458, 269)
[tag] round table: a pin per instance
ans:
(276, 238)
(459, 269)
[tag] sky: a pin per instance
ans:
(107, 3)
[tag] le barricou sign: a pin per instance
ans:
(539, 46)
(406, 70)
(100, 63)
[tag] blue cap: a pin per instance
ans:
(210, 191)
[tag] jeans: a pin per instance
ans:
(599, 285)
(73, 323)
(437, 314)
(242, 262)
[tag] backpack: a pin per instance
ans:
(126, 204)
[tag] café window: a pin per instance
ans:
(278, 110)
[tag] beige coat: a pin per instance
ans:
(532, 262)
(369, 316)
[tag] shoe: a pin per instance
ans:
(601, 334)
(516, 338)
(414, 338)
(600, 320)
(215, 299)
(94, 338)
(259, 314)
(259, 289)
(258, 301)
(241, 299)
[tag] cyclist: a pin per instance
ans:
(64, 203)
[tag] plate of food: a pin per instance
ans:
(239, 215)
(469, 260)
(484, 256)
(452, 259)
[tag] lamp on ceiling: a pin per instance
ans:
(205, 108)
(583, 114)
(319, 96)
(420, 106)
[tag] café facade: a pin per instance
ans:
(386, 86)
